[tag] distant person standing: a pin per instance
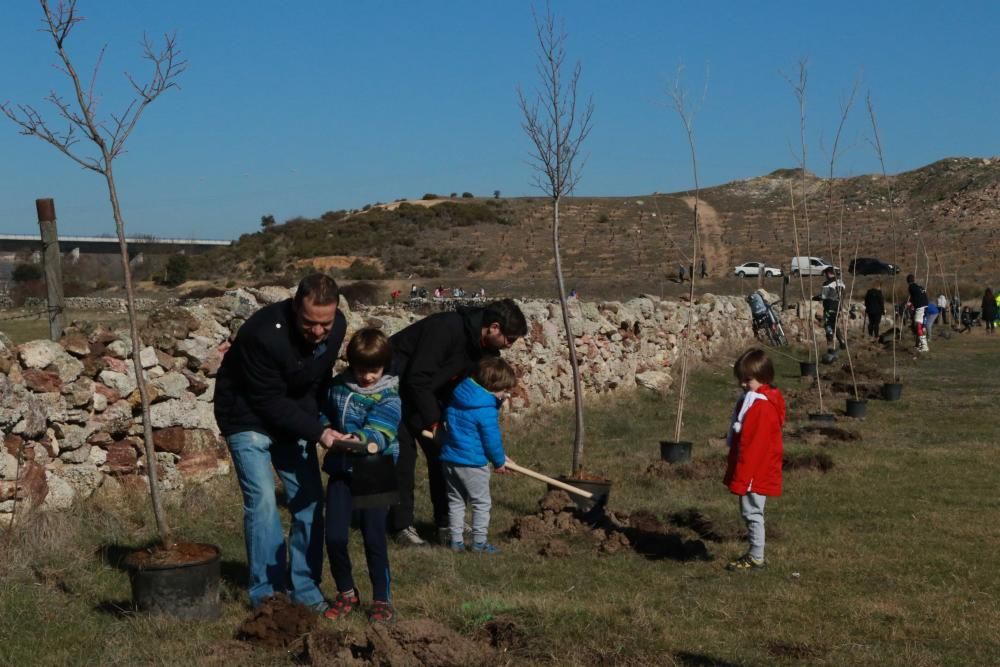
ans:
(942, 304)
(918, 302)
(829, 295)
(680, 273)
(874, 308)
(704, 268)
(989, 308)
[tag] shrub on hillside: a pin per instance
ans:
(24, 273)
(363, 292)
(178, 268)
(467, 195)
(430, 195)
(362, 270)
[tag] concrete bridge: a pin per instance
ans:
(14, 244)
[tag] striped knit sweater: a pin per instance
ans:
(369, 413)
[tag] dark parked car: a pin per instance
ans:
(869, 266)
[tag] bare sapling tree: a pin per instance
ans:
(876, 143)
(104, 141)
(557, 126)
(799, 89)
(845, 110)
(687, 112)
(844, 313)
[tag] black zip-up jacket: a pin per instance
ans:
(918, 296)
(270, 378)
(874, 302)
(433, 355)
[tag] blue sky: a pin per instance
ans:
(299, 108)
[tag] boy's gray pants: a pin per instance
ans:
(472, 485)
(752, 509)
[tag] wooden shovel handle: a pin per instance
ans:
(545, 478)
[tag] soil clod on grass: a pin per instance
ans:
(698, 522)
(612, 532)
(504, 633)
(554, 548)
(415, 643)
(808, 461)
(706, 468)
(277, 622)
(824, 435)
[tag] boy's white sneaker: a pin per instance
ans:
(409, 537)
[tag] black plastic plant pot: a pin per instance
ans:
(807, 369)
(187, 590)
(892, 391)
(821, 417)
(601, 488)
(675, 452)
(856, 408)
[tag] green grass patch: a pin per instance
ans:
(886, 558)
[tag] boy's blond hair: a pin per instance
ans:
(754, 364)
(369, 349)
(495, 374)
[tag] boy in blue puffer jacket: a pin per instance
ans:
(471, 442)
(363, 408)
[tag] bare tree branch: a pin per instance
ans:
(108, 138)
(557, 129)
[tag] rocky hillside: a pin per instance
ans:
(615, 247)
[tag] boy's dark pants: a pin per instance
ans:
(401, 514)
(874, 322)
(339, 505)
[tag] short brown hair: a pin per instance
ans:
(495, 374)
(369, 348)
(754, 364)
(319, 288)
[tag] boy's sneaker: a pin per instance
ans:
(381, 612)
(484, 548)
(342, 605)
(745, 563)
(409, 537)
(457, 547)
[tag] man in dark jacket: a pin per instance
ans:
(431, 357)
(266, 407)
(874, 308)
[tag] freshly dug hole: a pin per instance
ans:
(277, 622)
(808, 461)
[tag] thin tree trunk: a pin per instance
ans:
(147, 428)
(578, 438)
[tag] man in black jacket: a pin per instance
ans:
(266, 407)
(431, 357)
(874, 308)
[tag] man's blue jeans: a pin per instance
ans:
(273, 568)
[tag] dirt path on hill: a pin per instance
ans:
(712, 248)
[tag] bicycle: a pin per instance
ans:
(766, 323)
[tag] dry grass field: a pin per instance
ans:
(881, 551)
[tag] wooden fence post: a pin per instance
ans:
(52, 263)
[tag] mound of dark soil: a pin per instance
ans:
(612, 532)
(504, 633)
(411, 643)
(706, 468)
(820, 461)
(824, 435)
(277, 622)
(698, 522)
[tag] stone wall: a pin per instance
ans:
(70, 413)
(99, 303)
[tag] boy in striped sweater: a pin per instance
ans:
(363, 407)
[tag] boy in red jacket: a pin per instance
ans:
(755, 449)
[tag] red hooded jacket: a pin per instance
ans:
(756, 451)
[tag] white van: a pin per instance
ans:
(811, 266)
